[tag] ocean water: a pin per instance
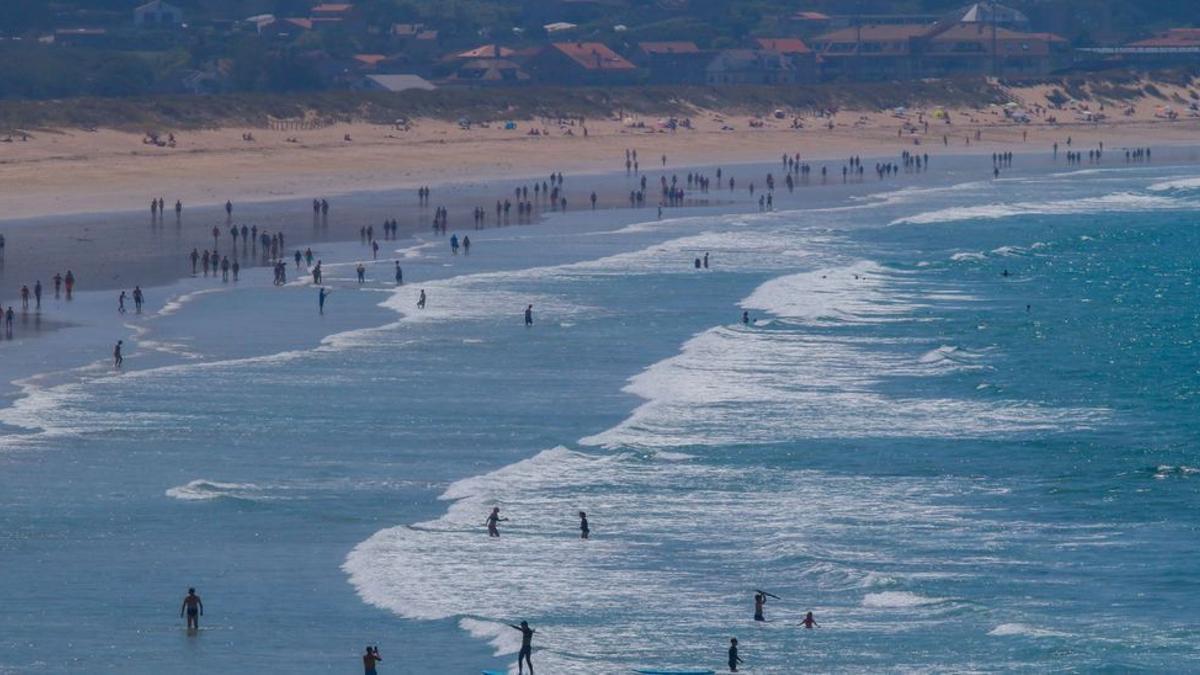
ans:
(960, 428)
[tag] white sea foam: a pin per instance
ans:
(1181, 184)
(898, 599)
(1023, 630)
(629, 576)
(206, 490)
(1120, 201)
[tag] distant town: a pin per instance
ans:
(163, 47)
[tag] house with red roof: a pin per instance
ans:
(679, 62)
(581, 63)
(803, 60)
(940, 49)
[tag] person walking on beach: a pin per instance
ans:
(8, 320)
(734, 659)
(493, 521)
(117, 358)
(525, 655)
(584, 530)
(24, 298)
(37, 294)
(529, 315)
(321, 295)
(374, 249)
(121, 303)
(228, 208)
(370, 658)
(399, 274)
(192, 606)
(466, 243)
(421, 300)
(362, 273)
(138, 299)
(195, 257)
(69, 282)
(809, 622)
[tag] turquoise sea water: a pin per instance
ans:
(953, 468)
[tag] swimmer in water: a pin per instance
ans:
(760, 600)
(746, 318)
(809, 622)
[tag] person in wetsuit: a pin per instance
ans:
(529, 315)
(734, 659)
(193, 606)
(584, 530)
(523, 657)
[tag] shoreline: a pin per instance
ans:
(72, 172)
(939, 176)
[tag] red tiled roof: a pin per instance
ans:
(593, 55)
(783, 45)
(1175, 37)
(881, 33)
(678, 47)
(486, 52)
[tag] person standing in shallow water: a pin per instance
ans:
(809, 622)
(525, 656)
(399, 274)
(370, 658)
(194, 609)
(584, 530)
(321, 295)
(529, 315)
(760, 600)
(421, 300)
(493, 521)
(117, 358)
(734, 659)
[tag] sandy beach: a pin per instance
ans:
(65, 171)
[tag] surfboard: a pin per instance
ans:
(495, 672)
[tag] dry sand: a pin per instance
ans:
(73, 171)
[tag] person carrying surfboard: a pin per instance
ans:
(526, 653)
(760, 600)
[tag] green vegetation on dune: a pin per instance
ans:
(156, 113)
